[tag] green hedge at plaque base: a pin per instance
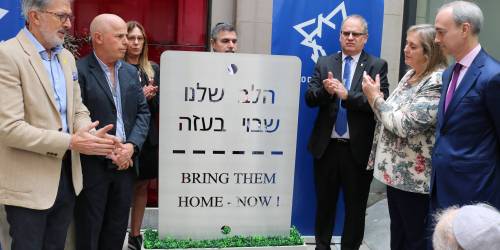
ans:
(151, 241)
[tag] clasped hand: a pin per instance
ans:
(334, 87)
(122, 155)
(88, 142)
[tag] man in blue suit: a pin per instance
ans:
(111, 91)
(466, 158)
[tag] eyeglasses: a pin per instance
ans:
(63, 17)
(354, 34)
(133, 38)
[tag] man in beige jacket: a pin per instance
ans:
(43, 128)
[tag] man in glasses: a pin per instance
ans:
(44, 127)
(224, 38)
(343, 133)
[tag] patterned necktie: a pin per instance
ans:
(341, 122)
(453, 85)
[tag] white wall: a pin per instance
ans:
(489, 36)
(254, 21)
(391, 38)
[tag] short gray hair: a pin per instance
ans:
(221, 27)
(28, 5)
(364, 24)
(466, 12)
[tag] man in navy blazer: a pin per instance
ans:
(466, 157)
(111, 91)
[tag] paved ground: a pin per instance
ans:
(377, 235)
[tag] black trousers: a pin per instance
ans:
(102, 211)
(431, 219)
(408, 212)
(32, 229)
(337, 169)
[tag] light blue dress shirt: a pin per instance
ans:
(56, 76)
(117, 98)
(354, 63)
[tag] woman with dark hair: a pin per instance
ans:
(149, 77)
(404, 136)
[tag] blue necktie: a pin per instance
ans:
(341, 122)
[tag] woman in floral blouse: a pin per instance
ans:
(404, 136)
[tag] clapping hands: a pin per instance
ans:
(334, 87)
(371, 88)
(150, 90)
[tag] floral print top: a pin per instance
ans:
(404, 135)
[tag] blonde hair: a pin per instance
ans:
(435, 56)
(144, 63)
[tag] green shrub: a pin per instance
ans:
(151, 241)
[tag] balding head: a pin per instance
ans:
(109, 37)
(103, 23)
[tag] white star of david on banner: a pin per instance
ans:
(3, 12)
(310, 39)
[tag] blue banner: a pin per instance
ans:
(11, 19)
(309, 29)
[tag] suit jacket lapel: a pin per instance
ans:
(360, 67)
(68, 76)
(98, 73)
(337, 67)
(40, 70)
(466, 83)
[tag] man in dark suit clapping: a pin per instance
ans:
(343, 133)
(112, 93)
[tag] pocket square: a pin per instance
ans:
(75, 76)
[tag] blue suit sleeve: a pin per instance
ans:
(492, 92)
(140, 129)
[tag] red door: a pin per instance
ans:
(170, 24)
